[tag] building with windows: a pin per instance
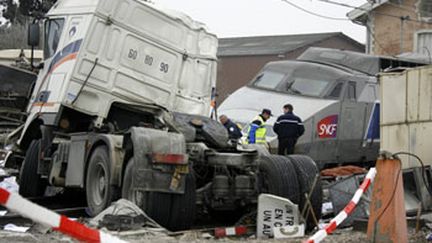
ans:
(396, 26)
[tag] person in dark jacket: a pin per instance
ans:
(232, 128)
(289, 128)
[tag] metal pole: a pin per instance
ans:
(401, 35)
(402, 18)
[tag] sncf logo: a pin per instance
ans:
(327, 127)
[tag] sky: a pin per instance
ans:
(234, 18)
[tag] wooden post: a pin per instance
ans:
(387, 219)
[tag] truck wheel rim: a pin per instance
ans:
(99, 184)
(137, 197)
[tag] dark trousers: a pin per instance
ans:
(286, 145)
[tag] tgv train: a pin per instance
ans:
(334, 92)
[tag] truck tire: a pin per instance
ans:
(307, 170)
(30, 183)
(155, 204)
(183, 209)
(172, 211)
(99, 192)
(277, 176)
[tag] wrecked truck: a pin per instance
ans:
(120, 109)
(16, 85)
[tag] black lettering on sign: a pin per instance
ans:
(289, 220)
(267, 216)
(266, 230)
(278, 214)
(288, 209)
(133, 54)
(164, 67)
(277, 224)
(148, 60)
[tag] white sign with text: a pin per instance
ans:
(274, 211)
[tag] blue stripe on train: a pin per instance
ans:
(373, 132)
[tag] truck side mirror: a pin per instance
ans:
(33, 34)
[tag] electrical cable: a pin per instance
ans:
(391, 196)
(408, 8)
(85, 81)
(312, 13)
(375, 12)
(403, 7)
(428, 187)
(397, 181)
(378, 43)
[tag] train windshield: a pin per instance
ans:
(269, 79)
(308, 86)
(308, 79)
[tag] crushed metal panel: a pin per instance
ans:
(149, 177)
(15, 87)
(75, 171)
(342, 191)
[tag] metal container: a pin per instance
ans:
(406, 114)
(406, 124)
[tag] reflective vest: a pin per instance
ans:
(260, 133)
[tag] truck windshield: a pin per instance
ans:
(53, 30)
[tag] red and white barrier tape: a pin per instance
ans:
(349, 208)
(24, 207)
(231, 231)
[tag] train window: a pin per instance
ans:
(368, 94)
(352, 91)
(268, 79)
(306, 86)
(335, 93)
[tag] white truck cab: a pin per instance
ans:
(101, 52)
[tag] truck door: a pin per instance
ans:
(352, 125)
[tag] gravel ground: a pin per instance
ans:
(343, 235)
(154, 235)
